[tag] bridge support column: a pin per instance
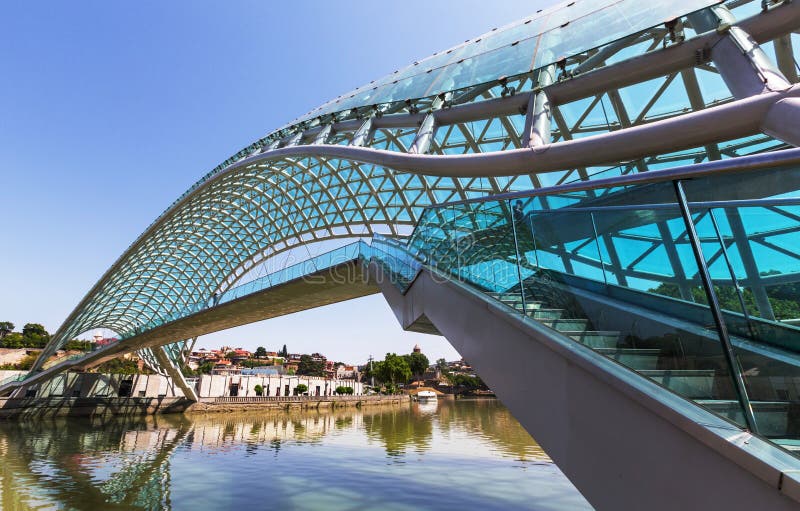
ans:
(174, 373)
(617, 436)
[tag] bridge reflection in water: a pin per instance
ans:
(465, 454)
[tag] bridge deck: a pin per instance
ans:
(342, 281)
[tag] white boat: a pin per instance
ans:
(426, 395)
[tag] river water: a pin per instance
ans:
(462, 455)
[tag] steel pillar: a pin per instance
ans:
(538, 117)
(363, 135)
(424, 137)
(177, 376)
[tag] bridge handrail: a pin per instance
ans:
(13, 379)
(596, 242)
(320, 262)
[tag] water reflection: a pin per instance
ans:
(444, 455)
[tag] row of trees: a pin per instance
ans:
(33, 335)
(395, 369)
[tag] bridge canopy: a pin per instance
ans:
(370, 161)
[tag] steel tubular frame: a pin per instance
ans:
(374, 168)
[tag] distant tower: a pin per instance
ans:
(98, 336)
(417, 349)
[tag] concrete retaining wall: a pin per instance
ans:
(212, 405)
(37, 408)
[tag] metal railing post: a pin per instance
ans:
(716, 310)
(518, 263)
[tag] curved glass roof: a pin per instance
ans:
(248, 210)
(550, 35)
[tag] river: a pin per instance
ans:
(462, 455)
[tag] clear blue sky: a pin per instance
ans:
(110, 110)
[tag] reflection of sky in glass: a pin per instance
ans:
(563, 30)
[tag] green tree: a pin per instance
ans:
(259, 390)
(369, 371)
(467, 383)
(441, 365)
(393, 369)
(13, 340)
(283, 353)
(256, 363)
(6, 327)
(301, 389)
(310, 367)
(343, 390)
(261, 352)
(34, 329)
(35, 335)
(418, 363)
(118, 366)
(230, 355)
(784, 298)
(78, 345)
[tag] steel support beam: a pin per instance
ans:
(174, 373)
(538, 118)
(295, 139)
(363, 135)
(783, 121)
(732, 120)
(744, 66)
(764, 27)
(784, 54)
(324, 134)
(422, 142)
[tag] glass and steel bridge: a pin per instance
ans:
(622, 173)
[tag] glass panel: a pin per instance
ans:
(620, 279)
(750, 230)
(621, 276)
(562, 31)
(751, 252)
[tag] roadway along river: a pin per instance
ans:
(464, 455)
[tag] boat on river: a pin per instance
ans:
(426, 395)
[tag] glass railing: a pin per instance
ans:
(304, 269)
(57, 360)
(13, 379)
(693, 284)
(393, 255)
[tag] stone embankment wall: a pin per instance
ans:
(98, 385)
(37, 408)
(235, 404)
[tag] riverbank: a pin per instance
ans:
(35, 408)
(48, 407)
(238, 404)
